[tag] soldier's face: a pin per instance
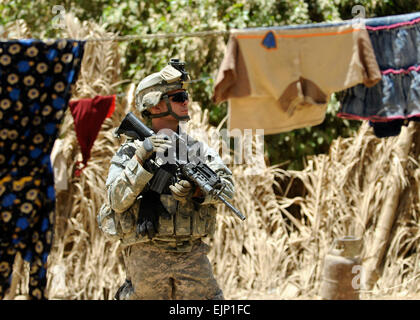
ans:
(178, 106)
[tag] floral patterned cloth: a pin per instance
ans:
(35, 86)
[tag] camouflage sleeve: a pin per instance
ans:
(126, 178)
(216, 164)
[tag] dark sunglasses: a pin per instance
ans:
(179, 96)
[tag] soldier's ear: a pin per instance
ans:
(156, 109)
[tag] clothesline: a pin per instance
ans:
(161, 36)
(197, 34)
(144, 36)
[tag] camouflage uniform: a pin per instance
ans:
(173, 264)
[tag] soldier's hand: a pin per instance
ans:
(180, 190)
(145, 148)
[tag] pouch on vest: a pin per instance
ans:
(210, 219)
(183, 216)
(166, 226)
(204, 220)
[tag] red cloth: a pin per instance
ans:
(88, 115)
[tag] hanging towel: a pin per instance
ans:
(279, 79)
(88, 115)
(35, 87)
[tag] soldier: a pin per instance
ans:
(166, 257)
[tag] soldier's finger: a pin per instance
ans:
(182, 191)
(173, 189)
(158, 142)
(185, 183)
(162, 137)
(176, 194)
(162, 148)
(166, 144)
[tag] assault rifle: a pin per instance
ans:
(195, 171)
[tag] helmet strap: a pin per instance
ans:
(169, 112)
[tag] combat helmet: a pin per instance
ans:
(155, 87)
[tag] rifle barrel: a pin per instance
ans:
(236, 211)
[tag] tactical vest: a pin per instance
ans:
(186, 224)
(188, 221)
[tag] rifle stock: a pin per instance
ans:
(134, 128)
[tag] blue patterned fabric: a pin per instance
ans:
(35, 86)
